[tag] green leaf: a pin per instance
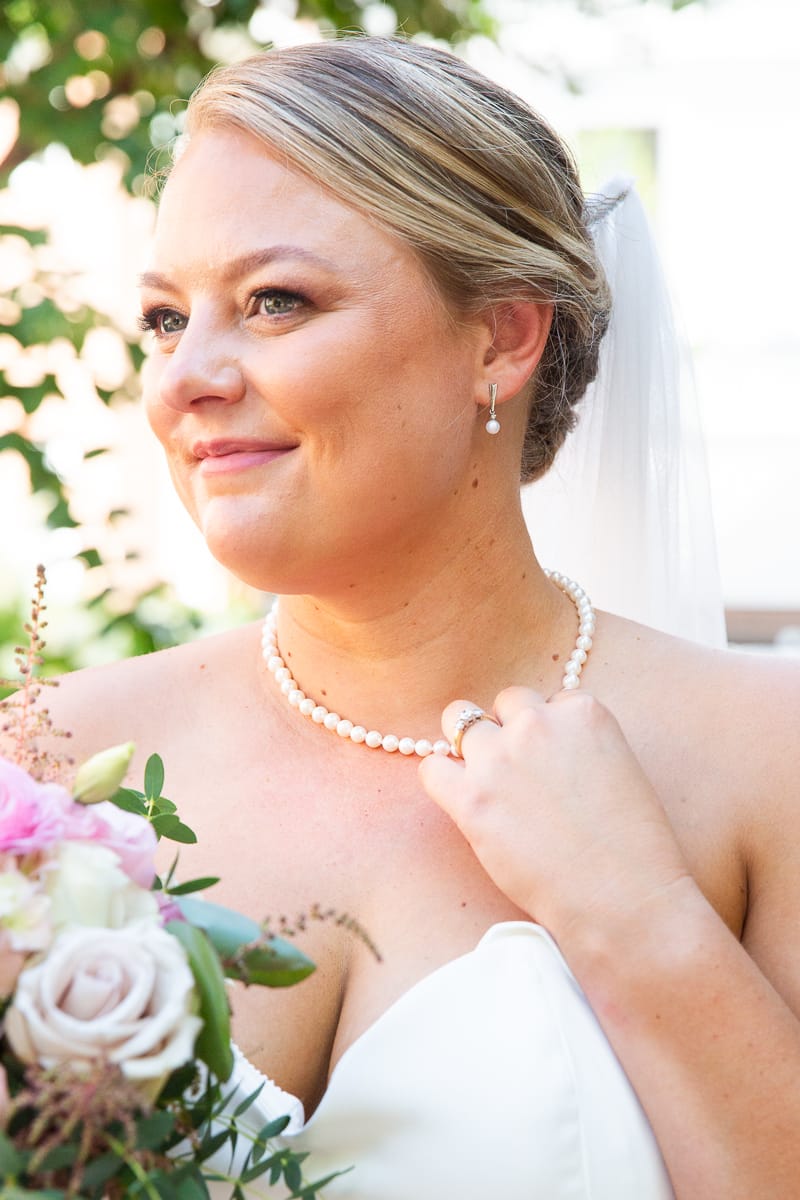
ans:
(169, 826)
(152, 1131)
(130, 801)
(34, 237)
(60, 517)
(11, 1161)
(211, 1144)
(194, 885)
(9, 1192)
(273, 1128)
(276, 964)
(153, 777)
(213, 1045)
(248, 1100)
(100, 1170)
(59, 1156)
(254, 1172)
(179, 1082)
(163, 805)
(91, 557)
(192, 1187)
(292, 1174)
(273, 962)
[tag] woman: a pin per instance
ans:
(373, 296)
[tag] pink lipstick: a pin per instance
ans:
(224, 455)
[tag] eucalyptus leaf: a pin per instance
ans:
(271, 963)
(273, 1128)
(192, 1187)
(248, 1100)
(276, 964)
(211, 1144)
(213, 1044)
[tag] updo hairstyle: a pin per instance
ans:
(453, 165)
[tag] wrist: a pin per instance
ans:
(619, 950)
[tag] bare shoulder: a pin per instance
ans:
(148, 698)
(741, 709)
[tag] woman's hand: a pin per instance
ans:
(556, 807)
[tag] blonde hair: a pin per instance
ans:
(452, 164)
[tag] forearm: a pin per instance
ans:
(711, 1049)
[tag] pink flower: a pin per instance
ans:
(168, 909)
(131, 837)
(32, 815)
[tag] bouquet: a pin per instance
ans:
(114, 1020)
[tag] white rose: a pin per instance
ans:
(87, 886)
(123, 994)
(24, 912)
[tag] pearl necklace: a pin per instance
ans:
(389, 742)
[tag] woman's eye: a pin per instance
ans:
(275, 303)
(163, 321)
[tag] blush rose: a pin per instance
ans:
(126, 995)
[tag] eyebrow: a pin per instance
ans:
(245, 264)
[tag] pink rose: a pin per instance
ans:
(131, 837)
(32, 815)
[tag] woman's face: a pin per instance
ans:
(316, 404)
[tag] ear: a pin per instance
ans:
(515, 337)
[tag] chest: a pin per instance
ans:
(291, 823)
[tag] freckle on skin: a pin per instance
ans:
(323, 692)
(475, 482)
(556, 657)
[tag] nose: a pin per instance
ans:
(200, 370)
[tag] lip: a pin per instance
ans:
(223, 455)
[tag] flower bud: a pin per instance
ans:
(100, 776)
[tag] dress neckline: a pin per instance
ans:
(298, 1123)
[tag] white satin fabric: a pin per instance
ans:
(489, 1077)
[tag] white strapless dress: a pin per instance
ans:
(491, 1077)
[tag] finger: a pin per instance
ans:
(513, 700)
(442, 778)
(476, 731)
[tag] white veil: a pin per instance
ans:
(626, 508)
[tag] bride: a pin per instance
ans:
(373, 296)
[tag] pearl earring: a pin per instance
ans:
(492, 425)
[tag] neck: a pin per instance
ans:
(390, 654)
